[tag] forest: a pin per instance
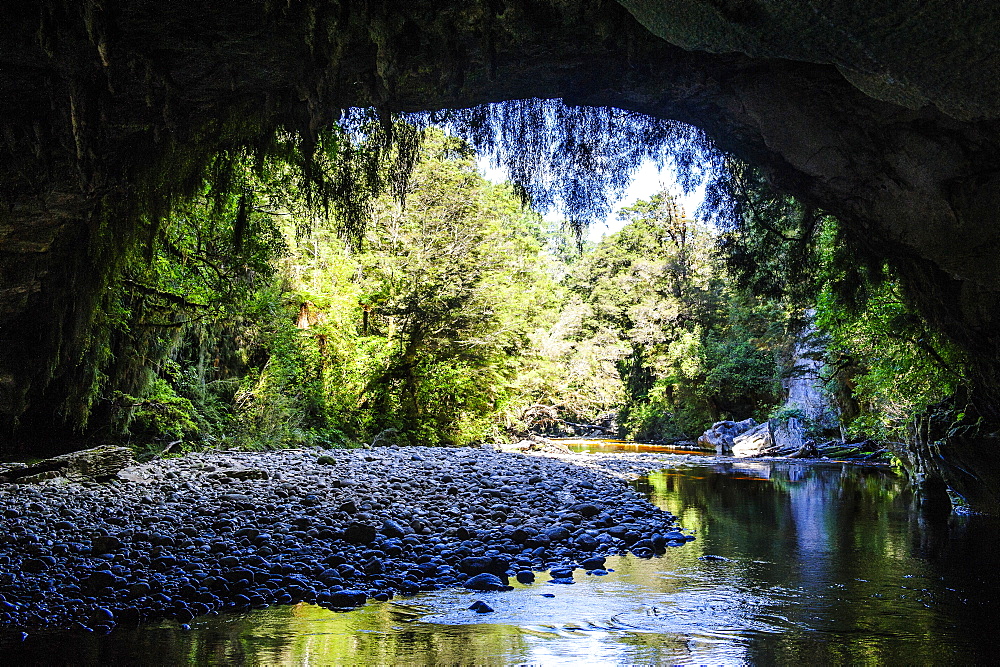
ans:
(310, 351)
(386, 292)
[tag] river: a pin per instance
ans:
(823, 564)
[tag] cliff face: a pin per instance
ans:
(883, 113)
(912, 53)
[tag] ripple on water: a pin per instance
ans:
(825, 565)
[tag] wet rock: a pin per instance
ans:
(486, 582)
(475, 564)
(101, 579)
(139, 589)
(373, 566)
(525, 577)
(538, 541)
(521, 535)
(347, 598)
(643, 544)
(481, 607)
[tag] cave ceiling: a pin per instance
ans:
(882, 113)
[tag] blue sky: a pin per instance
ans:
(647, 181)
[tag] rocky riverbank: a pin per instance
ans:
(230, 531)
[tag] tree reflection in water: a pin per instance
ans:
(828, 563)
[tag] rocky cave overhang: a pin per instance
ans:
(881, 113)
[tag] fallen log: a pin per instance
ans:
(97, 463)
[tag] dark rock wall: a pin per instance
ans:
(909, 52)
(881, 113)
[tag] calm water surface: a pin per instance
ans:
(587, 446)
(827, 564)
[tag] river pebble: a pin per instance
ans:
(232, 531)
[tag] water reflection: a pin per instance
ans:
(822, 564)
(591, 446)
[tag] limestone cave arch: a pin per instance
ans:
(884, 114)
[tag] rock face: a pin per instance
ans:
(894, 52)
(772, 438)
(720, 436)
(804, 384)
(883, 114)
(756, 442)
(805, 397)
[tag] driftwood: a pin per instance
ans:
(98, 463)
(806, 451)
(546, 416)
(593, 427)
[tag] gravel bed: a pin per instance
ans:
(232, 531)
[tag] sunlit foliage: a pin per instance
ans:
(690, 348)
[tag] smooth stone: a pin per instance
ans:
(393, 529)
(359, 533)
(475, 564)
(587, 510)
(34, 565)
(481, 607)
(557, 533)
(106, 545)
(185, 554)
(486, 582)
(348, 598)
(538, 541)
